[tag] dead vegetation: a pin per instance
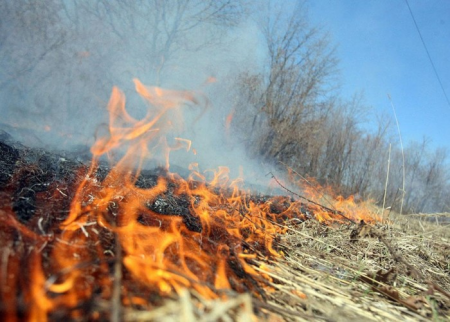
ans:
(393, 271)
(386, 272)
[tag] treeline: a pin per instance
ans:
(59, 60)
(294, 116)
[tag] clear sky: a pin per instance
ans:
(380, 52)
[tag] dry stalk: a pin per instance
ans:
(403, 155)
(334, 211)
(116, 300)
(414, 272)
(387, 180)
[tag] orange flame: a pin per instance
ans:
(163, 252)
(335, 207)
(169, 234)
(228, 121)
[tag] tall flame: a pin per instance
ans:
(168, 233)
(206, 247)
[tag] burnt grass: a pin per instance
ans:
(26, 173)
(36, 188)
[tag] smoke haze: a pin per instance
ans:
(60, 62)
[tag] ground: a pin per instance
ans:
(324, 275)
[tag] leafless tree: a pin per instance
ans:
(157, 31)
(289, 98)
(30, 31)
(290, 113)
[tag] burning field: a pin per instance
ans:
(113, 240)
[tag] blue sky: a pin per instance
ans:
(381, 52)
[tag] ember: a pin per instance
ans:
(74, 237)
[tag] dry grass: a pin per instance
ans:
(321, 277)
(325, 266)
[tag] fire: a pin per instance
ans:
(165, 235)
(228, 121)
(329, 207)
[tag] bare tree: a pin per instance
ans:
(290, 97)
(164, 29)
(29, 33)
(342, 136)
(434, 176)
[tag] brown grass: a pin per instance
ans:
(323, 276)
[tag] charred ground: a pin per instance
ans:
(341, 271)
